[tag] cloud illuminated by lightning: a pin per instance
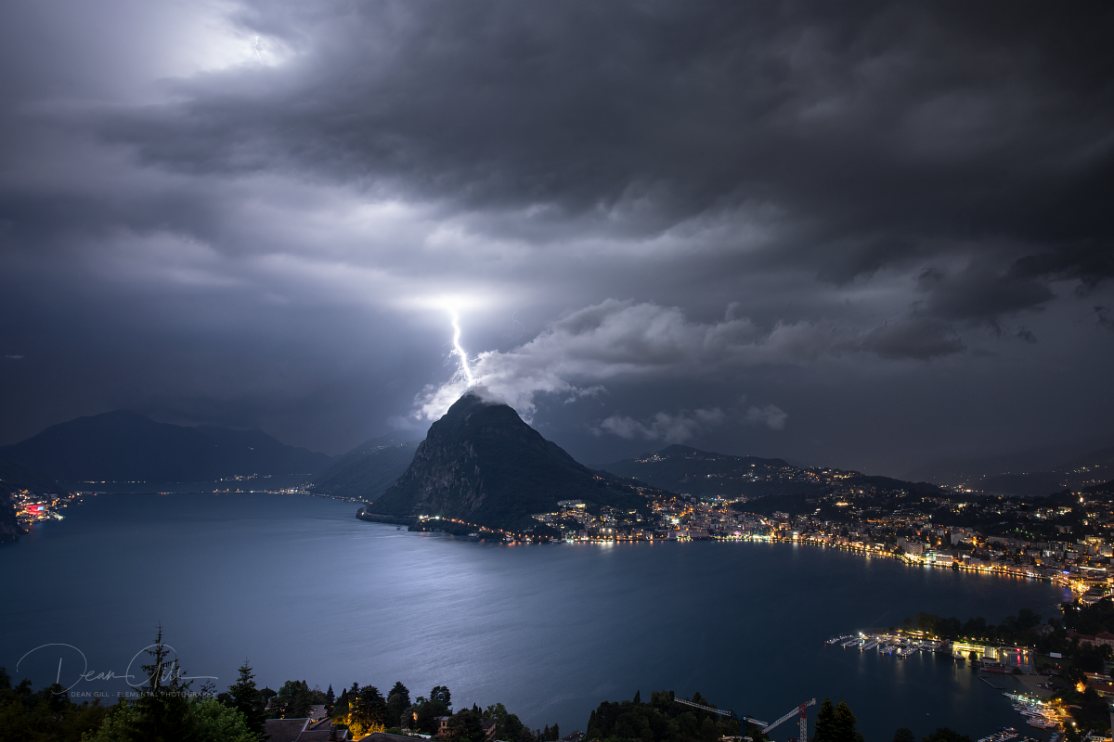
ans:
(458, 350)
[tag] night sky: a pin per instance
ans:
(867, 235)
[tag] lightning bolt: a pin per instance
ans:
(458, 350)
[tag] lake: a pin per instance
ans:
(305, 591)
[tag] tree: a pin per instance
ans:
(398, 700)
(368, 712)
(441, 694)
(825, 723)
(904, 734)
(507, 725)
(161, 713)
(465, 726)
(844, 724)
(47, 715)
(212, 721)
(944, 734)
(293, 700)
(208, 719)
(426, 710)
(247, 700)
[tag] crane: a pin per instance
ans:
(764, 726)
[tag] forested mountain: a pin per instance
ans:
(1083, 471)
(691, 471)
(125, 446)
(482, 464)
(368, 470)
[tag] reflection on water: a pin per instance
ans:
(304, 590)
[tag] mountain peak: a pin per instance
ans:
(482, 464)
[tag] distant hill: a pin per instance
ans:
(1041, 466)
(368, 470)
(772, 485)
(705, 474)
(482, 464)
(125, 446)
(15, 477)
(857, 493)
(1092, 469)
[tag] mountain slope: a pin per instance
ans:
(368, 470)
(704, 474)
(482, 464)
(123, 446)
(1094, 468)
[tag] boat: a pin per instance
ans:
(873, 643)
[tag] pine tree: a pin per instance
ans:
(844, 724)
(340, 708)
(247, 700)
(825, 723)
(162, 709)
(398, 700)
(638, 698)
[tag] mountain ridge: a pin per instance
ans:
(482, 464)
(369, 469)
(123, 446)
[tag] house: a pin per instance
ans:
(302, 730)
(488, 725)
(1103, 638)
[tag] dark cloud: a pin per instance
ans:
(1102, 316)
(980, 293)
(1090, 264)
(917, 338)
(259, 215)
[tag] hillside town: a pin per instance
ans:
(1063, 538)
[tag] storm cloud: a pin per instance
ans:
(262, 214)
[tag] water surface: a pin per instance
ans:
(303, 590)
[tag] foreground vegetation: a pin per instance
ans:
(167, 709)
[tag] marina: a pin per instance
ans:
(899, 646)
(1038, 713)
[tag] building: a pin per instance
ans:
(302, 730)
(443, 727)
